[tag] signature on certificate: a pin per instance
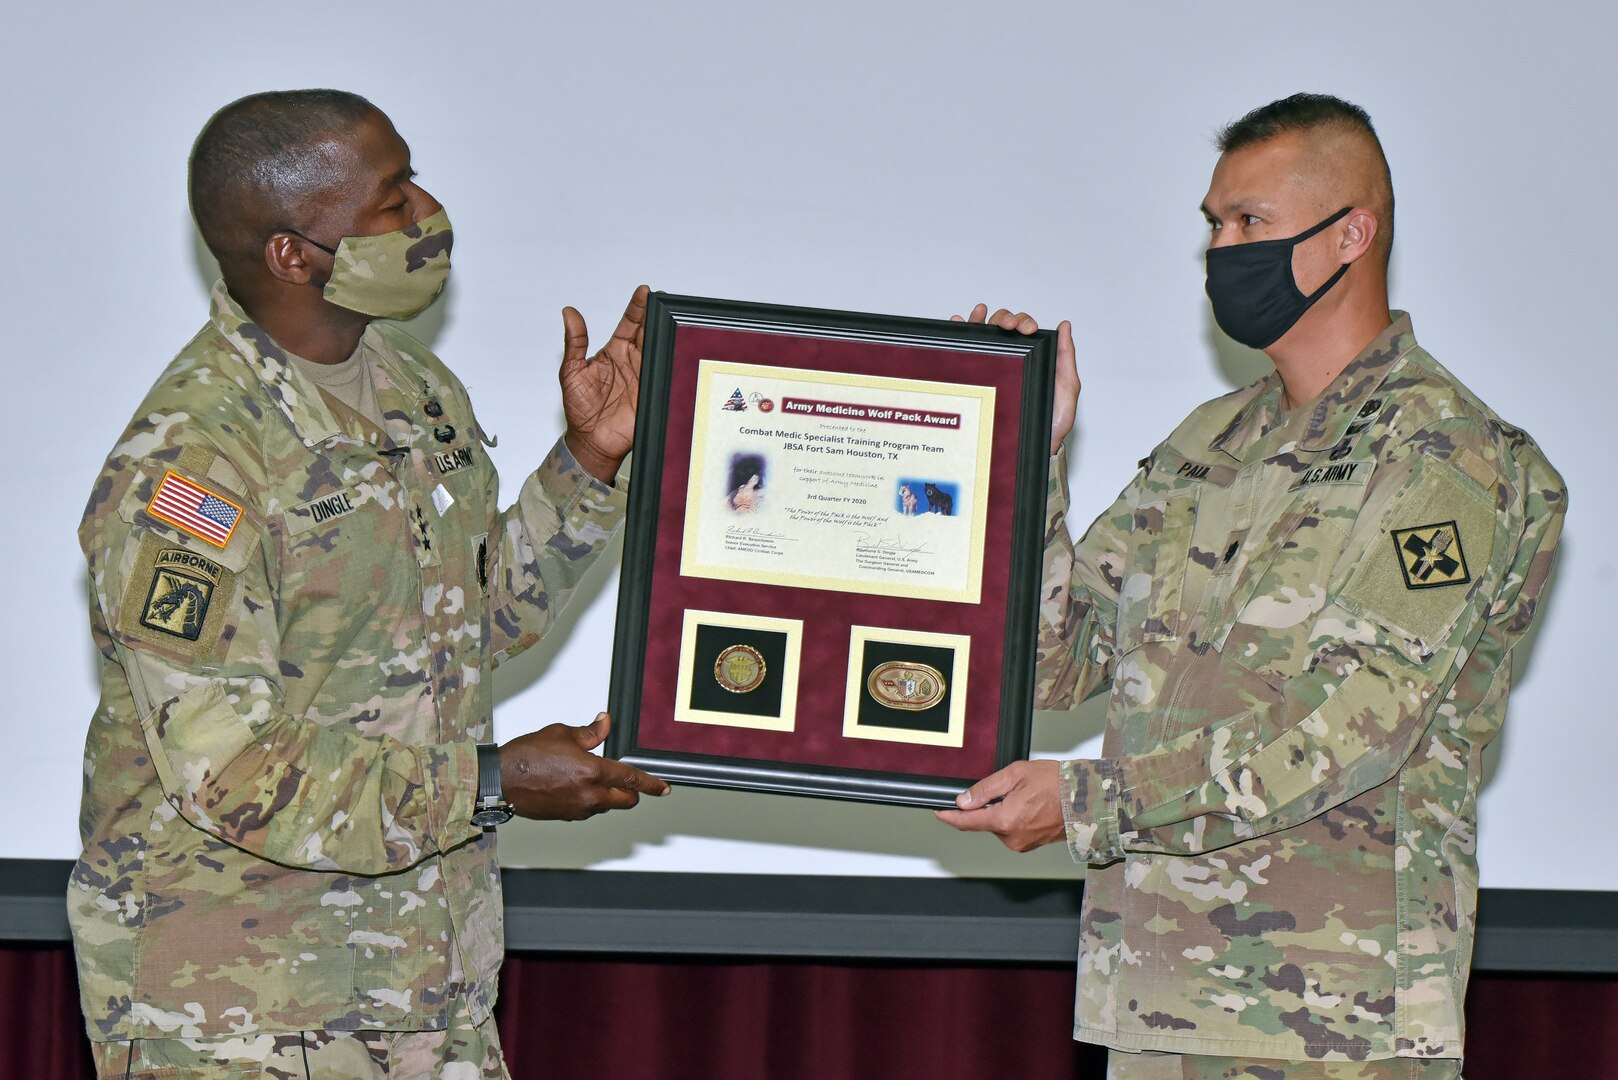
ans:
(758, 533)
(892, 544)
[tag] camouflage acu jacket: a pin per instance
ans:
(1305, 623)
(297, 617)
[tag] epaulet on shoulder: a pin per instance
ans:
(412, 348)
(1428, 383)
(207, 378)
(1443, 416)
(208, 397)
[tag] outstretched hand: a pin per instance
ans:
(1066, 404)
(550, 774)
(600, 392)
(1021, 804)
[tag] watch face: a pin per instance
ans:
(488, 817)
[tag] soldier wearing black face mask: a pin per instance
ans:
(1254, 294)
(1304, 606)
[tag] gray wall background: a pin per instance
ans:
(908, 158)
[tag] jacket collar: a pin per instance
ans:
(1325, 421)
(298, 398)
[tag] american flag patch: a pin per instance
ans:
(195, 509)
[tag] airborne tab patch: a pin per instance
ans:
(1430, 556)
(183, 585)
(175, 598)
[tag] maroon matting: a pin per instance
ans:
(828, 615)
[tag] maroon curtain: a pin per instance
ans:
(581, 1018)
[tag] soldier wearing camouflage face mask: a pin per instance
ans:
(1303, 606)
(301, 584)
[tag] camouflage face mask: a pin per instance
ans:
(394, 275)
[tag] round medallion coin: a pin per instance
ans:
(739, 668)
(907, 685)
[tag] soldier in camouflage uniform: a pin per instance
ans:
(299, 598)
(1303, 607)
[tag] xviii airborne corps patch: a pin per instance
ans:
(1430, 556)
(183, 585)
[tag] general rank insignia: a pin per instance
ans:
(906, 685)
(1430, 556)
(739, 669)
(192, 508)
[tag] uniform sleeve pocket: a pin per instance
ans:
(1151, 591)
(1426, 559)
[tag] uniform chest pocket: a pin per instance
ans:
(343, 531)
(462, 474)
(1285, 585)
(1151, 599)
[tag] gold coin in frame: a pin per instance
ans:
(906, 684)
(739, 669)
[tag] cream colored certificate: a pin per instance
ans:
(846, 482)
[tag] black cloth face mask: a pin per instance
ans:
(1255, 299)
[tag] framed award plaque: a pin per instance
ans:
(832, 562)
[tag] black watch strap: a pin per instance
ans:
(492, 807)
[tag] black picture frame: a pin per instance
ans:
(670, 315)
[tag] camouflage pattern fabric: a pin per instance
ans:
(295, 667)
(458, 1053)
(1154, 1066)
(1305, 622)
(393, 275)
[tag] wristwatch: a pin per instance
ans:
(492, 808)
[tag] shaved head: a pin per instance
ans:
(260, 160)
(1341, 161)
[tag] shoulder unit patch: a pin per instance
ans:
(1430, 556)
(175, 598)
(183, 585)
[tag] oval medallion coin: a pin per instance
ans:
(739, 669)
(907, 685)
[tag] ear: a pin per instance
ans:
(287, 257)
(1358, 231)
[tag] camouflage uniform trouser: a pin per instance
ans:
(463, 1053)
(1151, 1066)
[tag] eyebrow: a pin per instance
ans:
(1241, 206)
(387, 183)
